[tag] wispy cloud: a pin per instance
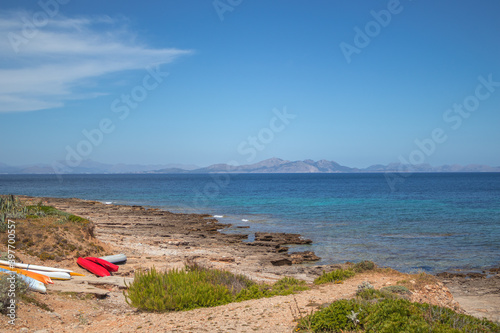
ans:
(45, 70)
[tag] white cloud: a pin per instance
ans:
(39, 68)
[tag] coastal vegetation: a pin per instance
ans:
(387, 310)
(11, 207)
(336, 276)
(339, 275)
(196, 286)
(45, 232)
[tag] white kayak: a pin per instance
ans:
(52, 275)
(116, 258)
(36, 267)
(32, 283)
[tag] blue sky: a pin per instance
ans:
(248, 80)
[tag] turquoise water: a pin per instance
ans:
(432, 222)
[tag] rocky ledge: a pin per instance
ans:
(185, 236)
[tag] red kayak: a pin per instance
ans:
(106, 264)
(92, 267)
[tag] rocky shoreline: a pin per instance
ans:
(153, 237)
(180, 237)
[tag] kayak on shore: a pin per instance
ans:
(115, 259)
(30, 267)
(33, 284)
(39, 277)
(92, 267)
(104, 263)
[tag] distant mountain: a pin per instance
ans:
(272, 165)
(92, 167)
(277, 165)
(398, 167)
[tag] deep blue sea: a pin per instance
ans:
(431, 222)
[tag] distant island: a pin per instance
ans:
(272, 165)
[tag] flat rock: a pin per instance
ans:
(300, 257)
(78, 288)
(117, 281)
(281, 238)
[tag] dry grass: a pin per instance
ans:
(50, 234)
(418, 281)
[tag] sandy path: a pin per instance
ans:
(261, 315)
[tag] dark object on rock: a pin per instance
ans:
(447, 275)
(300, 257)
(281, 238)
(281, 262)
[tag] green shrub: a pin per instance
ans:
(391, 315)
(400, 290)
(77, 219)
(174, 290)
(363, 266)
(196, 287)
(370, 294)
(288, 285)
(395, 316)
(284, 286)
(234, 283)
(334, 276)
(333, 318)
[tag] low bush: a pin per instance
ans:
(400, 290)
(40, 210)
(363, 266)
(334, 318)
(373, 294)
(289, 285)
(233, 282)
(381, 314)
(175, 290)
(334, 276)
(196, 287)
(284, 286)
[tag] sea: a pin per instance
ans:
(430, 222)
